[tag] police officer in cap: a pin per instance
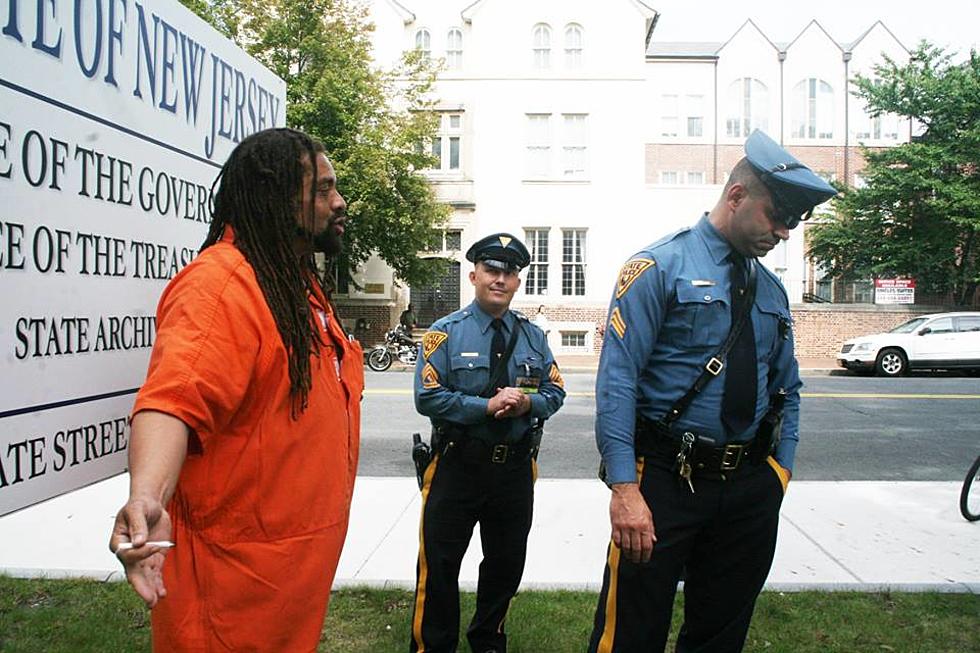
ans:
(697, 369)
(487, 380)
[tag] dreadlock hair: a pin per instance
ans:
(259, 196)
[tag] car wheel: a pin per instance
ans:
(891, 362)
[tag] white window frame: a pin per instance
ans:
(538, 244)
(454, 48)
(694, 177)
(541, 46)
(574, 46)
(575, 146)
(423, 42)
(441, 145)
(748, 107)
(694, 111)
(538, 148)
(669, 177)
(574, 261)
(813, 109)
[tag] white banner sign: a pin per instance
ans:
(894, 291)
(115, 117)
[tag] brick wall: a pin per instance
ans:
(378, 319)
(683, 158)
(819, 329)
(596, 315)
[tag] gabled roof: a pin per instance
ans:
(807, 28)
(403, 12)
(850, 46)
(468, 11)
(750, 24)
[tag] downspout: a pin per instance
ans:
(714, 145)
(782, 101)
(847, 121)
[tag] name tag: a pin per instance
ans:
(528, 384)
(702, 282)
(469, 354)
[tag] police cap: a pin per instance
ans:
(501, 251)
(795, 189)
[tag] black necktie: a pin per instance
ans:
(741, 373)
(497, 346)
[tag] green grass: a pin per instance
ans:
(77, 616)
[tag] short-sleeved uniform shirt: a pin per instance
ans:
(261, 507)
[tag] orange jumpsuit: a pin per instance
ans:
(261, 507)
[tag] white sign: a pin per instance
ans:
(115, 117)
(894, 291)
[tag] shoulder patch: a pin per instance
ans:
(430, 378)
(555, 376)
(630, 273)
(431, 341)
(617, 323)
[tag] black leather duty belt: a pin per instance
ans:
(475, 450)
(706, 460)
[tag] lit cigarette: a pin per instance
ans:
(162, 544)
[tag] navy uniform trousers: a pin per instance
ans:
(461, 488)
(723, 537)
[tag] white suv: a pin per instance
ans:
(936, 341)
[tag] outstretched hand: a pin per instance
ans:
(141, 521)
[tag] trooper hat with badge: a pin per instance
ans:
(795, 189)
(500, 251)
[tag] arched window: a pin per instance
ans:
(454, 48)
(748, 107)
(542, 46)
(423, 42)
(813, 109)
(574, 39)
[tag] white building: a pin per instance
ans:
(566, 123)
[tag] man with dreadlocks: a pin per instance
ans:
(245, 435)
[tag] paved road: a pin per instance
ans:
(921, 428)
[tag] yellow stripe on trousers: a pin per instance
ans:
(609, 629)
(423, 567)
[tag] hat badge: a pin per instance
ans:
(504, 241)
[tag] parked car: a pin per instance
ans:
(936, 341)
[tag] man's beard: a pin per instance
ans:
(328, 241)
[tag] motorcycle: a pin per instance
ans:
(398, 344)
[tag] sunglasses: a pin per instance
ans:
(784, 209)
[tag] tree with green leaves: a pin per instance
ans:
(370, 120)
(919, 213)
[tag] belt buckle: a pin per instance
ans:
(499, 454)
(731, 451)
(714, 366)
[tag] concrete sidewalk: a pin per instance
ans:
(900, 536)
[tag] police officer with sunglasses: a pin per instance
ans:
(697, 401)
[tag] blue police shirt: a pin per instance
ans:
(670, 313)
(454, 369)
